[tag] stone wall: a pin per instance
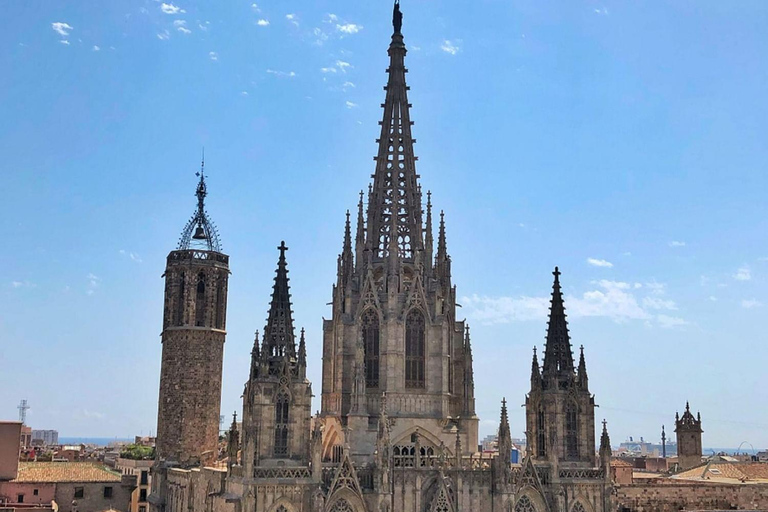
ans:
(674, 497)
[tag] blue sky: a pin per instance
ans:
(622, 141)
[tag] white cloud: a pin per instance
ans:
(134, 257)
(181, 26)
(603, 11)
(282, 74)
(164, 35)
(347, 85)
(213, 56)
(255, 8)
(22, 284)
(94, 282)
(449, 47)
(599, 263)
(751, 303)
(331, 18)
(61, 28)
(656, 288)
(64, 42)
(743, 274)
(203, 27)
(93, 414)
(676, 243)
(320, 36)
(349, 28)
(615, 300)
(343, 66)
(669, 322)
(244, 93)
(713, 298)
(262, 23)
(659, 303)
(350, 104)
(502, 310)
(96, 48)
(171, 9)
(292, 18)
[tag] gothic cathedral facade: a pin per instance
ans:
(397, 429)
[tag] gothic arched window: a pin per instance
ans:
(282, 406)
(179, 320)
(571, 431)
(415, 327)
(200, 301)
(342, 506)
(524, 504)
(220, 303)
(578, 507)
(370, 334)
(541, 435)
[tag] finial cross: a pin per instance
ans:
(282, 248)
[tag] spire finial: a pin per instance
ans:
(397, 17)
(282, 248)
(200, 230)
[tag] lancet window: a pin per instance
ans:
(179, 313)
(370, 335)
(415, 327)
(282, 406)
(541, 435)
(200, 301)
(571, 431)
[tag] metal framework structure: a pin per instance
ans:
(200, 232)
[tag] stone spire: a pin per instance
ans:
(663, 443)
(558, 357)
(428, 240)
(255, 357)
(605, 450)
(360, 234)
(469, 377)
(347, 257)
(233, 443)
(535, 372)
(582, 377)
(394, 213)
(279, 338)
(505, 435)
(302, 355)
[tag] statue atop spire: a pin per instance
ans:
(397, 17)
(200, 232)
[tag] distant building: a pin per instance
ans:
(60, 486)
(141, 469)
(48, 437)
(688, 430)
(26, 437)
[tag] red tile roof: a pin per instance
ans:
(52, 472)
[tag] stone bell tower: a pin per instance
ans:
(194, 323)
(688, 430)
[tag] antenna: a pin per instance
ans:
(23, 408)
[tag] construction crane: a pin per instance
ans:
(23, 407)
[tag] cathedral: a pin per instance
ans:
(397, 429)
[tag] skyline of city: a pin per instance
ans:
(664, 264)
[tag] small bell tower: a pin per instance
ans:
(194, 323)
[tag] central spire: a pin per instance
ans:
(279, 338)
(558, 357)
(394, 212)
(200, 232)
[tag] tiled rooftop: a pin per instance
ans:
(721, 471)
(51, 472)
